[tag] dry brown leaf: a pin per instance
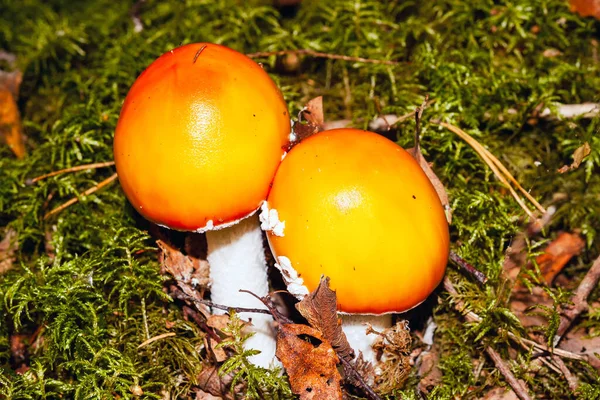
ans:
(578, 341)
(429, 370)
(320, 310)
(586, 8)
(314, 120)
(211, 382)
(8, 246)
(558, 253)
(310, 362)
(313, 111)
(578, 155)
(415, 152)
(218, 352)
(11, 131)
(184, 268)
(218, 321)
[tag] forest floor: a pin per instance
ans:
(91, 303)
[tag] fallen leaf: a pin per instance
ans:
(586, 8)
(320, 310)
(8, 246)
(218, 321)
(415, 152)
(429, 370)
(313, 111)
(210, 381)
(578, 341)
(578, 155)
(218, 352)
(11, 131)
(184, 268)
(202, 395)
(558, 253)
(314, 121)
(310, 362)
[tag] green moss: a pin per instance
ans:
(87, 279)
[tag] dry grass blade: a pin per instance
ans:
(318, 54)
(71, 169)
(498, 169)
(74, 200)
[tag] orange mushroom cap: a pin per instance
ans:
(359, 209)
(200, 137)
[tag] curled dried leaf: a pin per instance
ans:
(184, 268)
(320, 310)
(578, 155)
(310, 362)
(11, 131)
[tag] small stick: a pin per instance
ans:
(516, 386)
(86, 193)
(579, 300)
(182, 296)
(71, 169)
(155, 338)
(473, 317)
(498, 361)
(318, 54)
(572, 380)
(350, 369)
(468, 268)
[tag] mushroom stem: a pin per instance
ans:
(354, 327)
(237, 261)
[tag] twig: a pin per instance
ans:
(190, 312)
(473, 317)
(317, 54)
(71, 169)
(182, 296)
(468, 268)
(349, 369)
(86, 193)
(381, 123)
(572, 380)
(516, 386)
(155, 338)
(498, 361)
(578, 300)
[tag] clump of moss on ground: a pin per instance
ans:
(86, 282)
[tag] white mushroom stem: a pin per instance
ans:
(355, 326)
(237, 261)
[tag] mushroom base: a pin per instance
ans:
(237, 261)
(355, 329)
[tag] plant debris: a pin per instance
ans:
(320, 310)
(310, 362)
(558, 253)
(578, 155)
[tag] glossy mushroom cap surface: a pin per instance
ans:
(359, 209)
(200, 137)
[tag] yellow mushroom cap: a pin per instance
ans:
(200, 137)
(359, 209)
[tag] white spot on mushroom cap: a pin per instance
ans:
(269, 220)
(348, 200)
(295, 284)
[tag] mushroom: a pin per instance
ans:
(200, 136)
(358, 208)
